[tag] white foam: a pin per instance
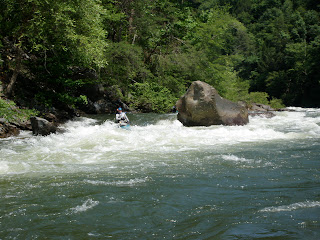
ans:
(5, 151)
(4, 167)
(236, 159)
(292, 207)
(87, 142)
(131, 182)
(88, 204)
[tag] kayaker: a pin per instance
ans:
(121, 117)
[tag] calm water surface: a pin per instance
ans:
(160, 180)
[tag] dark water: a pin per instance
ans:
(161, 180)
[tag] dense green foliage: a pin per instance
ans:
(10, 112)
(45, 42)
(153, 50)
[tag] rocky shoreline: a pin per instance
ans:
(39, 126)
(100, 100)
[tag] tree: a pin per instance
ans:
(51, 33)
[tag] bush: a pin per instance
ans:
(258, 97)
(276, 103)
(262, 98)
(150, 97)
(11, 113)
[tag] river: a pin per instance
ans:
(160, 180)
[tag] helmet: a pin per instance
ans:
(119, 109)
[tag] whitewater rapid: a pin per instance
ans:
(87, 141)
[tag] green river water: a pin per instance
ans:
(160, 180)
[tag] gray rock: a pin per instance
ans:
(8, 130)
(264, 114)
(41, 126)
(260, 107)
(203, 106)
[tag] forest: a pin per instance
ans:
(145, 53)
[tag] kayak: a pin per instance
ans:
(124, 125)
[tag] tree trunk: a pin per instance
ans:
(131, 27)
(16, 71)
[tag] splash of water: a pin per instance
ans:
(86, 142)
(292, 207)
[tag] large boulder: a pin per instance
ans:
(41, 126)
(203, 106)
